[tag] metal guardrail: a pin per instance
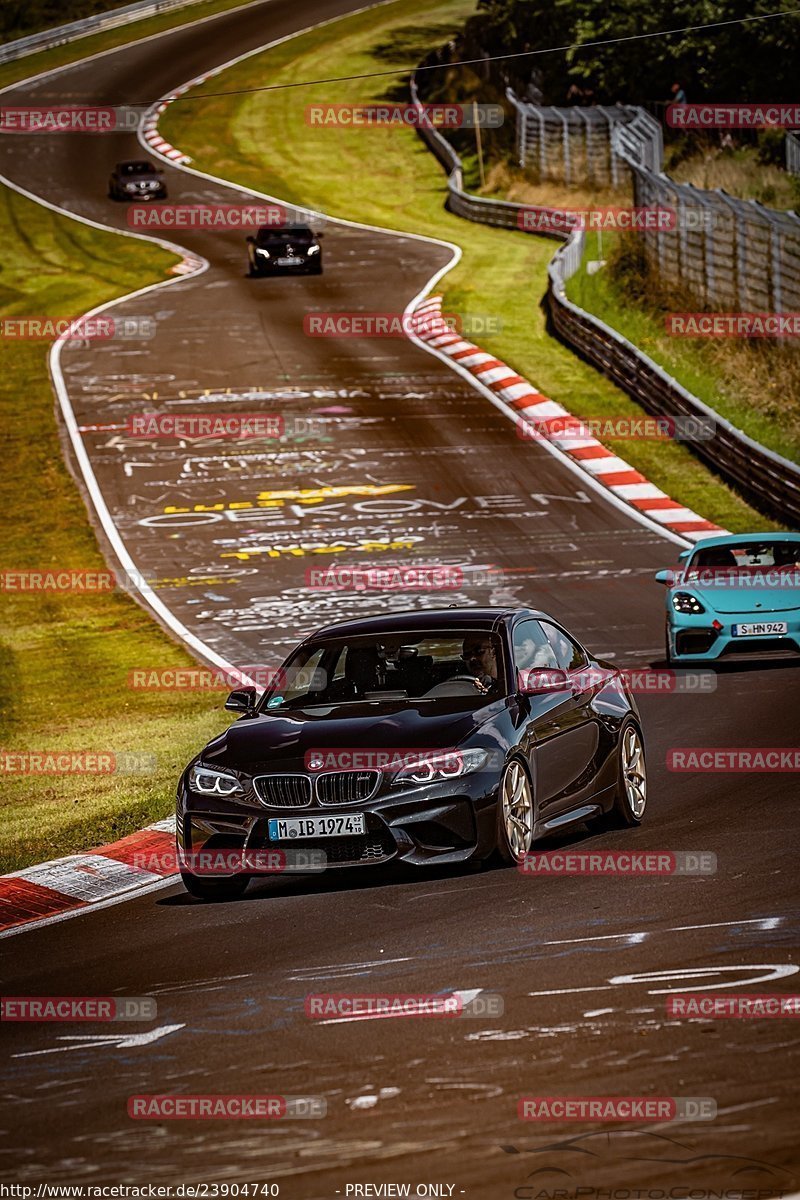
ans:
(766, 479)
(503, 213)
(61, 34)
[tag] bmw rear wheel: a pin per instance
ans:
(515, 813)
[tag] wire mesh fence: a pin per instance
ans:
(726, 253)
(766, 479)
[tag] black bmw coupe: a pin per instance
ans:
(442, 736)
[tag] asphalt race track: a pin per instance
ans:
(582, 964)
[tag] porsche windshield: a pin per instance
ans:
(745, 558)
(465, 665)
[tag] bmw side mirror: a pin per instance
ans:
(541, 680)
(243, 700)
(251, 239)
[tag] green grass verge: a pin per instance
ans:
(65, 658)
(387, 177)
(753, 384)
(46, 60)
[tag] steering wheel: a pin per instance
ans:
(471, 679)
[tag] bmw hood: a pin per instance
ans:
(270, 740)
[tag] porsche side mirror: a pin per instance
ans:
(667, 577)
(541, 680)
(243, 700)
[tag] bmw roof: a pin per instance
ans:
(411, 620)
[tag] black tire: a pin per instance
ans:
(215, 889)
(504, 851)
(622, 814)
(667, 650)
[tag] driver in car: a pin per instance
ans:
(480, 660)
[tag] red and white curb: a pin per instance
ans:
(79, 881)
(552, 421)
(150, 129)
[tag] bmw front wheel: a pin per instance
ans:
(515, 813)
(630, 798)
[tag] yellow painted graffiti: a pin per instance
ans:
(300, 549)
(277, 499)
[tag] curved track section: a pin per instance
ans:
(401, 460)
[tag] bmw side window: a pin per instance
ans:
(531, 647)
(568, 654)
(304, 676)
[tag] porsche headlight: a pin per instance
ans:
(685, 602)
(434, 768)
(207, 781)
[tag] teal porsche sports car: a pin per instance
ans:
(734, 595)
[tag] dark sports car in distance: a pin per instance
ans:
(427, 737)
(140, 180)
(284, 248)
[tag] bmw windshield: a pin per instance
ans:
(467, 666)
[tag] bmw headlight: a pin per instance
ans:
(131, 187)
(435, 768)
(263, 253)
(313, 249)
(685, 602)
(207, 781)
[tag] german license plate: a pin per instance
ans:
(290, 262)
(285, 830)
(760, 629)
